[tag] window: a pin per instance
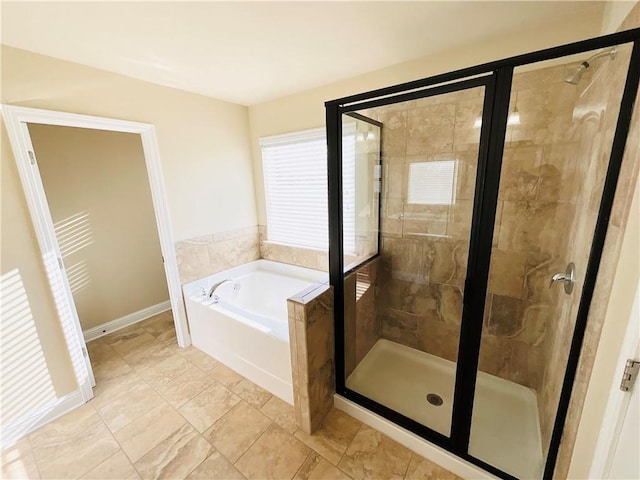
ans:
(295, 179)
(432, 183)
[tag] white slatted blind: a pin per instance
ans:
(295, 178)
(432, 183)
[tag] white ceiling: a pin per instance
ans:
(250, 52)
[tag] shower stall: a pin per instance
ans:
(468, 212)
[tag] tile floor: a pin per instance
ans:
(161, 411)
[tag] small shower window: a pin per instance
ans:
(432, 183)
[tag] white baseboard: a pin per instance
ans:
(122, 322)
(412, 441)
(24, 426)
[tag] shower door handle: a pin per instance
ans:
(568, 277)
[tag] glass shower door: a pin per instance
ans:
(403, 307)
(556, 152)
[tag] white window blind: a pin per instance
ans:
(295, 178)
(432, 183)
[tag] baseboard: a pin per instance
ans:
(412, 441)
(122, 322)
(22, 427)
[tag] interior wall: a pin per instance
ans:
(305, 110)
(203, 149)
(99, 196)
(19, 251)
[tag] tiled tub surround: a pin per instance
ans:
(161, 411)
(311, 336)
(245, 325)
(201, 256)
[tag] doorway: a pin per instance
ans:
(496, 186)
(18, 121)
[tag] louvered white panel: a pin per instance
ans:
(295, 178)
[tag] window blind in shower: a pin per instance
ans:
(295, 180)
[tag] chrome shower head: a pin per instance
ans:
(574, 77)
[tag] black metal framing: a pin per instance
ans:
(496, 77)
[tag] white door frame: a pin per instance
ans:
(16, 120)
(618, 401)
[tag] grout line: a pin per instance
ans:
(406, 470)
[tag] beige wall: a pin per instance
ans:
(19, 250)
(306, 109)
(96, 182)
(203, 148)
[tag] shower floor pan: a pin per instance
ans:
(505, 431)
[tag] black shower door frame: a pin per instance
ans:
(496, 77)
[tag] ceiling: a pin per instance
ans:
(250, 52)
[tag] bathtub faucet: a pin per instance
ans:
(212, 290)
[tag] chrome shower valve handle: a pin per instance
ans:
(568, 277)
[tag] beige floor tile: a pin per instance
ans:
(123, 335)
(18, 462)
(216, 467)
(166, 370)
(143, 434)
(65, 428)
(234, 433)
(200, 359)
(225, 375)
(176, 456)
(208, 406)
(281, 412)
(275, 455)
(137, 340)
(422, 469)
(117, 466)
(251, 393)
(107, 391)
(110, 368)
(317, 468)
(139, 399)
(374, 455)
(159, 324)
(99, 351)
(332, 440)
(153, 353)
(61, 457)
(184, 387)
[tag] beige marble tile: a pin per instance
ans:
(107, 391)
(137, 340)
(166, 370)
(199, 358)
(225, 375)
(185, 386)
(422, 469)
(333, 438)
(80, 436)
(117, 466)
(110, 368)
(159, 325)
(507, 271)
(234, 433)
(275, 455)
(208, 406)
(374, 455)
(317, 468)
(281, 413)
(99, 351)
(122, 336)
(216, 467)
(139, 399)
(140, 436)
(18, 462)
(176, 456)
(152, 353)
(251, 393)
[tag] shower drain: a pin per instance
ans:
(435, 399)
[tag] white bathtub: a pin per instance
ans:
(248, 328)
